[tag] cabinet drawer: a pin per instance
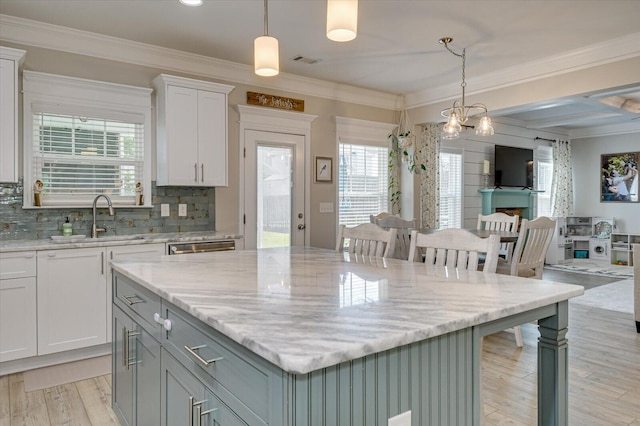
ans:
(138, 302)
(239, 383)
(20, 264)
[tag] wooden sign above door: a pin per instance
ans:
(272, 101)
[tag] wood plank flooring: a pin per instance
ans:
(604, 380)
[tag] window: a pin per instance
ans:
(79, 157)
(544, 171)
(451, 184)
(87, 138)
(363, 182)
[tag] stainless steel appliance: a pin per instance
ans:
(201, 247)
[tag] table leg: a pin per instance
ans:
(553, 389)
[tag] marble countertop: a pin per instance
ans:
(117, 240)
(304, 309)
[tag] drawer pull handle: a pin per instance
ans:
(195, 354)
(130, 302)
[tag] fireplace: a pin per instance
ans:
(511, 211)
(519, 201)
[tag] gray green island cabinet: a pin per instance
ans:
(306, 336)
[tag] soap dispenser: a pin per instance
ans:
(67, 228)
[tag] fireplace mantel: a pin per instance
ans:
(507, 198)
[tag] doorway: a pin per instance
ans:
(274, 196)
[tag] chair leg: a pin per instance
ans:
(638, 326)
(518, 332)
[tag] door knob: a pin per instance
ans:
(302, 226)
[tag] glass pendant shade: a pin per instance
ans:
(266, 57)
(452, 128)
(485, 128)
(191, 2)
(342, 19)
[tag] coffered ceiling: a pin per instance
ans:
(396, 50)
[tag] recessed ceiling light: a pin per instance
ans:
(191, 2)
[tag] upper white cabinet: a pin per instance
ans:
(192, 132)
(10, 60)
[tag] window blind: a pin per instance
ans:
(77, 158)
(544, 171)
(363, 182)
(451, 184)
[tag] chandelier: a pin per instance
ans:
(460, 113)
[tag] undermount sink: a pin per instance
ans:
(84, 238)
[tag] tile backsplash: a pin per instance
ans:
(32, 224)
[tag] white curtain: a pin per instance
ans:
(562, 181)
(429, 179)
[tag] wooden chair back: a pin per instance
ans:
(500, 222)
(455, 248)
(373, 218)
(367, 239)
(403, 240)
(533, 242)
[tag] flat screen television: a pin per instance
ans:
(514, 167)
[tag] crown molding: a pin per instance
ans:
(55, 37)
(602, 53)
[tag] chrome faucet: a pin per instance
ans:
(94, 228)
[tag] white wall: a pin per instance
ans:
(586, 179)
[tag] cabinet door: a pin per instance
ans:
(180, 392)
(183, 167)
(212, 138)
(8, 139)
(18, 318)
(147, 366)
(72, 299)
(123, 386)
(126, 252)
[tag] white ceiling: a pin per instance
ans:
(396, 50)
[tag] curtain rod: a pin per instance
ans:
(544, 139)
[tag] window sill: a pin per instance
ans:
(100, 206)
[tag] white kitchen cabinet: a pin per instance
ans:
(10, 60)
(126, 252)
(72, 299)
(192, 132)
(18, 332)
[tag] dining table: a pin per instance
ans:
(356, 338)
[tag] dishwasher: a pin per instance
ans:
(201, 247)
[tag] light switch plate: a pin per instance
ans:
(326, 207)
(182, 209)
(403, 419)
(164, 210)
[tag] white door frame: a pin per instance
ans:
(276, 121)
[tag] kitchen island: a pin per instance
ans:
(306, 336)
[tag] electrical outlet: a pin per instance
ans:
(403, 419)
(182, 209)
(164, 210)
(326, 207)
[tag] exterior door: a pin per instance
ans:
(274, 190)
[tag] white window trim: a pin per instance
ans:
(83, 97)
(458, 151)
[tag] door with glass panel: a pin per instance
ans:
(274, 190)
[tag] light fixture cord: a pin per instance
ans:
(266, 18)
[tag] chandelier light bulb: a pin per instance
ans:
(484, 127)
(342, 20)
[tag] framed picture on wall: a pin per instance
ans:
(619, 177)
(324, 169)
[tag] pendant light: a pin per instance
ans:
(265, 50)
(459, 113)
(191, 2)
(342, 19)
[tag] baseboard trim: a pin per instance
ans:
(20, 365)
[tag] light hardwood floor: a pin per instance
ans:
(604, 380)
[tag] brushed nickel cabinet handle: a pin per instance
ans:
(204, 413)
(195, 169)
(202, 172)
(190, 411)
(127, 359)
(125, 348)
(102, 263)
(128, 301)
(195, 354)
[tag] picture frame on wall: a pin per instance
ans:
(324, 169)
(619, 177)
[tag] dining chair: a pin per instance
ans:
(456, 248)
(403, 240)
(367, 239)
(528, 257)
(500, 222)
(374, 217)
